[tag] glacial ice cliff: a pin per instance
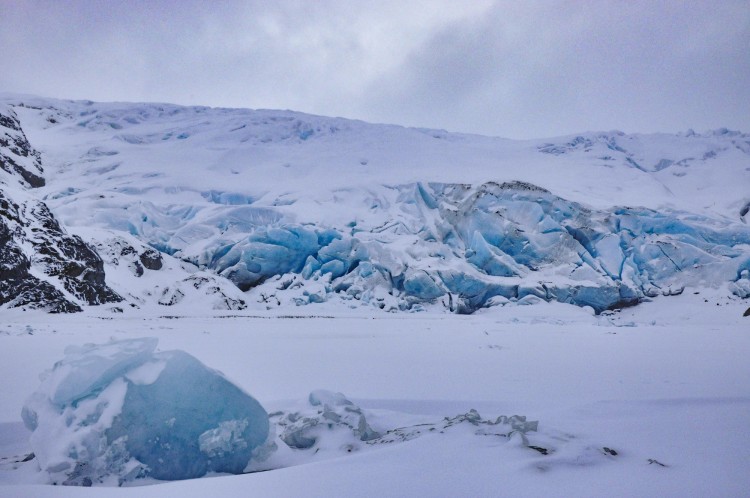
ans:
(461, 246)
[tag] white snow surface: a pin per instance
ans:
(181, 154)
(666, 381)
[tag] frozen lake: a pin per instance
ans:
(667, 382)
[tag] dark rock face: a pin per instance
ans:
(33, 293)
(119, 252)
(173, 294)
(17, 286)
(78, 267)
(17, 157)
(31, 238)
(64, 257)
(151, 259)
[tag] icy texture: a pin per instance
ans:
(90, 368)
(460, 246)
(502, 426)
(330, 421)
(119, 411)
(331, 424)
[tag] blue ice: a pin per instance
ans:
(120, 411)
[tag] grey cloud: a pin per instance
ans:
(561, 67)
(517, 69)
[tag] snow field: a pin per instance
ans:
(666, 382)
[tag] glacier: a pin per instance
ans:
(463, 245)
(114, 412)
(294, 209)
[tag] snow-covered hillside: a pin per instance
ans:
(41, 266)
(299, 209)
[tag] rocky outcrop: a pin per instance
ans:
(17, 286)
(67, 258)
(17, 157)
(117, 251)
(41, 265)
(178, 283)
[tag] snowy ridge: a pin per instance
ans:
(43, 266)
(297, 209)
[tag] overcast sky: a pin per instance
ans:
(516, 68)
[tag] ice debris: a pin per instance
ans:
(330, 423)
(328, 413)
(111, 413)
(503, 426)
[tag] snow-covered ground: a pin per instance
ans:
(666, 382)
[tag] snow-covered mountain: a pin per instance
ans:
(296, 209)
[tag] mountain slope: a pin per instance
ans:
(298, 209)
(41, 265)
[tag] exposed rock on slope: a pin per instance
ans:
(17, 157)
(143, 276)
(18, 287)
(41, 265)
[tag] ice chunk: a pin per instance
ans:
(322, 397)
(331, 423)
(91, 367)
(490, 259)
(421, 285)
(118, 411)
